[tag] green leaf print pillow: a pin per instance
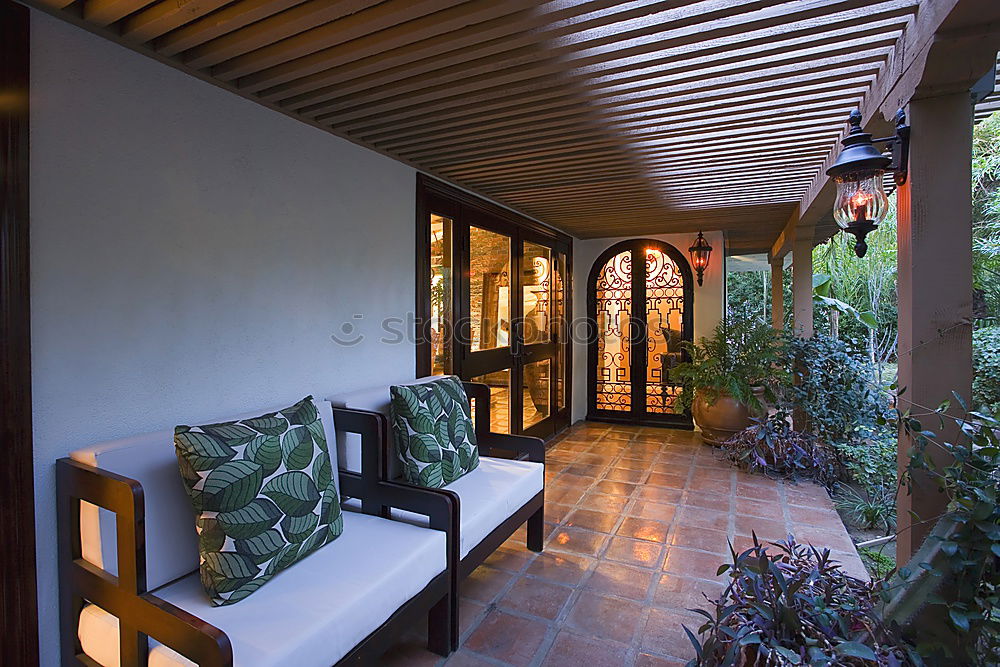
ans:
(263, 494)
(433, 432)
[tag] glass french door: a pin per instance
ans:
(498, 304)
(640, 306)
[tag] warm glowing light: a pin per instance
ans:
(860, 197)
(700, 253)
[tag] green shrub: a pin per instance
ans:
(737, 357)
(986, 364)
(833, 388)
(879, 565)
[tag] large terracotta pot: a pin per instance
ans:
(722, 418)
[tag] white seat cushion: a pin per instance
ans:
(488, 495)
(317, 610)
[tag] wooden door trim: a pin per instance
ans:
(19, 614)
(469, 210)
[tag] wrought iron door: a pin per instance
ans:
(640, 303)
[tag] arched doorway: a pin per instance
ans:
(640, 296)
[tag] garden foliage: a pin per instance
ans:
(986, 362)
(791, 604)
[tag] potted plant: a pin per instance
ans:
(729, 376)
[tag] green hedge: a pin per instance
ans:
(986, 362)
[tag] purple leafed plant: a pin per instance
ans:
(772, 447)
(794, 605)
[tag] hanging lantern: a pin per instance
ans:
(700, 254)
(859, 171)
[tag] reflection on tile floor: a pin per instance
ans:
(638, 521)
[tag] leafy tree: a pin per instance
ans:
(986, 214)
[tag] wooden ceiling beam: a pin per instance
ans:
(347, 65)
(657, 51)
(164, 16)
(453, 98)
(226, 20)
(714, 150)
(273, 30)
(650, 18)
(106, 12)
(635, 109)
(692, 115)
(638, 145)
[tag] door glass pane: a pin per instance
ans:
(499, 384)
(536, 268)
(489, 289)
(562, 326)
(441, 295)
(536, 392)
(614, 307)
(665, 317)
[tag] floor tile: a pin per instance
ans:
(508, 638)
(688, 562)
(644, 529)
(577, 540)
(605, 617)
(634, 552)
(603, 522)
(535, 597)
(573, 650)
(661, 633)
(561, 568)
(702, 518)
(649, 510)
(673, 590)
(703, 539)
(620, 580)
(484, 583)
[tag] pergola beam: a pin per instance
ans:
(965, 30)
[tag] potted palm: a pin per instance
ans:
(729, 376)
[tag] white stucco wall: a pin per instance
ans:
(709, 299)
(192, 253)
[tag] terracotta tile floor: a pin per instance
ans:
(638, 522)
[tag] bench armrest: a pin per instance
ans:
(522, 446)
(139, 613)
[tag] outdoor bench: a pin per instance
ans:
(506, 490)
(128, 561)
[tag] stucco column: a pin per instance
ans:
(777, 293)
(934, 230)
(802, 288)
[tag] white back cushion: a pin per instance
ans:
(171, 539)
(373, 399)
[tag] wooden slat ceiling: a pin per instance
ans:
(600, 117)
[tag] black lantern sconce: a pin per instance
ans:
(861, 200)
(700, 254)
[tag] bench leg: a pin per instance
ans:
(536, 529)
(440, 620)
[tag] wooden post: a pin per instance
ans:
(934, 229)
(802, 288)
(777, 293)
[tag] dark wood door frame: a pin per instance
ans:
(19, 613)
(637, 333)
(465, 209)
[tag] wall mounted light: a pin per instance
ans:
(858, 172)
(700, 254)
